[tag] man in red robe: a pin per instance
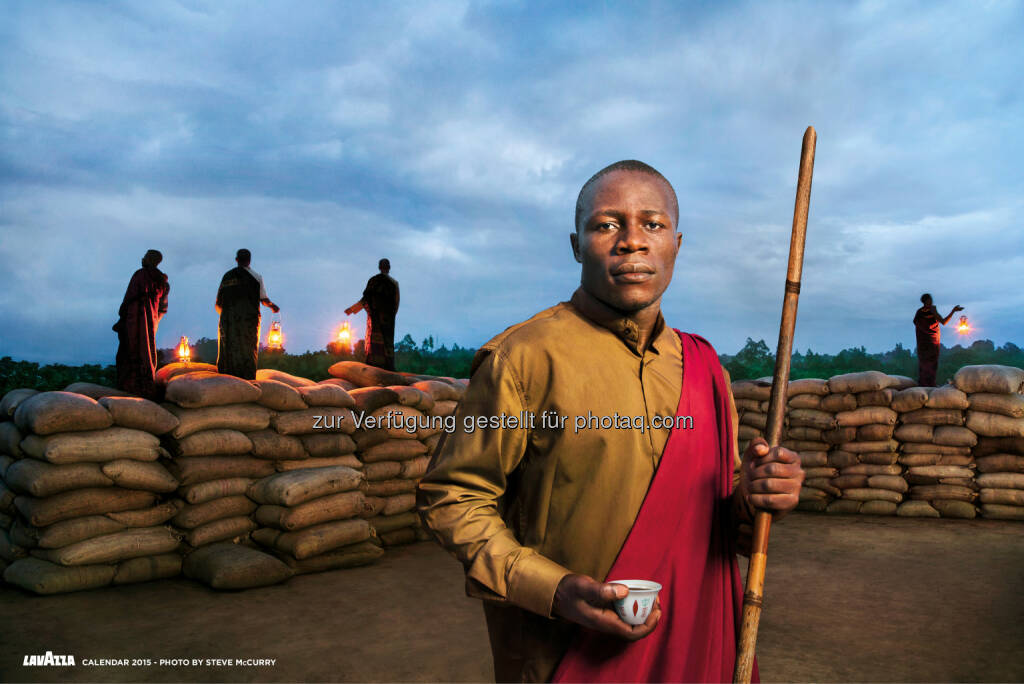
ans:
(548, 515)
(380, 299)
(144, 304)
(927, 322)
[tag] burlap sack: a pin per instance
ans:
(109, 548)
(1006, 497)
(326, 395)
(839, 435)
(173, 370)
(314, 540)
(1011, 405)
(224, 529)
(382, 470)
(400, 503)
(865, 381)
(448, 408)
(915, 432)
(956, 459)
(806, 433)
(1001, 463)
(813, 459)
(910, 399)
(271, 445)
(993, 511)
(348, 556)
(914, 448)
(369, 399)
(807, 386)
(745, 432)
(199, 390)
(215, 489)
(405, 535)
(950, 435)
(10, 402)
(815, 505)
(41, 577)
(751, 389)
(820, 472)
(149, 477)
(876, 398)
(386, 523)
(868, 447)
(927, 416)
(147, 517)
(842, 459)
(193, 515)
(868, 415)
(854, 481)
(879, 457)
(998, 445)
(278, 396)
(323, 509)
(374, 506)
(328, 444)
(758, 421)
(834, 403)
(80, 502)
(941, 471)
(806, 401)
(48, 413)
(10, 551)
(992, 424)
(844, 507)
(936, 492)
(148, 568)
(878, 507)
(918, 459)
(893, 482)
(811, 418)
(10, 440)
(901, 382)
(824, 484)
(281, 376)
(218, 442)
(394, 450)
(871, 469)
(343, 384)
(93, 446)
(805, 445)
(318, 420)
(989, 378)
(296, 487)
(41, 479)
(228, 566)
(7, 499)
(241, 417)
(196, 469)
(916, 509)
(1001, 480)
(388, 487)
(139, 414)
(347, 460)
(875, 432)
(955, 509)
(871, 494)
(947, 397)
(441, 391)
(366, 376)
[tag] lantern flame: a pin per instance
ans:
(963, 327)
(345, 336)
(184, 351)
(275, 339)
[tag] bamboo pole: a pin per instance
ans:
(753, 596)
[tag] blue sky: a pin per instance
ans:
(453, 137)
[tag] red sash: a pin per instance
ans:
(680, 539)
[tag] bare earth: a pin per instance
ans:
(848, 598)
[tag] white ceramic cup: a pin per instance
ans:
(639, 602)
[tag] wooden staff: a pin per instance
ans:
(753, 597)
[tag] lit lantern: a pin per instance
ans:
(184, 351)
(275, 338)
(345, 337)
(963, 327)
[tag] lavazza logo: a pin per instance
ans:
(49, 660)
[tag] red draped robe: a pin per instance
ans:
(144, 304)
(681, 539)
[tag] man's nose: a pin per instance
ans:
(633, 238)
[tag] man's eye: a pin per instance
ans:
(605, 226)
(654, 225)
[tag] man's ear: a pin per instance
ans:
(574, 238)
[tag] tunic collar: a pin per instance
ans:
(624, 328)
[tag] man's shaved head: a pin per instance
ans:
(624, 165)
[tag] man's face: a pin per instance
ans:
(627, 241)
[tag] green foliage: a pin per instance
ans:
(55, 376)
(756, 360)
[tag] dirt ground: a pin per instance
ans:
(848, 598)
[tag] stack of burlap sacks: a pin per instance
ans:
(808, 424)
(996, 414)
(402, 419)
(83, 498)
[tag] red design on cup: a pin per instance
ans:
(634, 607)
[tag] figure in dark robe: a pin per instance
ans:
(144, 304)
(927, 322)
(239, 297)
(380, 299)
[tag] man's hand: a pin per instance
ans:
(275, 308)
(770, 479)
(957, 308)
(587, 602)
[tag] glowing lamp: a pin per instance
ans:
(275, 338)
(963, 327)
(184, 351)
(345, 337)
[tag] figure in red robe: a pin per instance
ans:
(145, 303)
(380, 299)
(926, 324)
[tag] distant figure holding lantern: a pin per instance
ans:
(238, 302)
(927, 322)
(380, 299)
(144, 304)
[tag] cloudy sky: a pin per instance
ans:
(453, 137)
